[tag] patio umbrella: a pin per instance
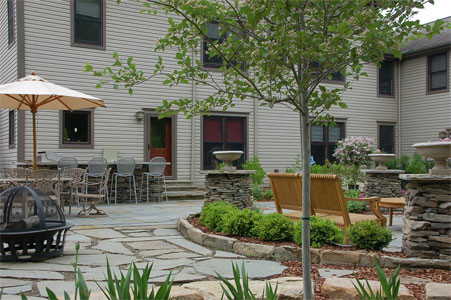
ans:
(34, 93)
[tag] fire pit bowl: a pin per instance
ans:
(32, 227)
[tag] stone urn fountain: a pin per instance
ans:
(381, 158)
(228, 157)
(229, 184)
(439, 152)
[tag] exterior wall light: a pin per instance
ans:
(443, 134)
(139, 115)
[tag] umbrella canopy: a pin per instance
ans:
(34, 93)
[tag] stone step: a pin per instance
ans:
(178, 182)
(181, 187)
(182, 195)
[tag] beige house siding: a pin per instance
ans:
(8, 73)
(423, 115)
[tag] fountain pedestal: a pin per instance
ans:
(383, 183)
(231, 186)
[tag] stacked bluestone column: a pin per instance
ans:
(231, 186)
(427, 216)
(383, 183)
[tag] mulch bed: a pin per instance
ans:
(294, 268)
(195, 222)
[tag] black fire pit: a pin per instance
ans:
(33, 226)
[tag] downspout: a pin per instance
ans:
(255, 127)
(193, 127)
(399, 109)
(20, 31)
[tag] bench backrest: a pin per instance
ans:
(326, 194)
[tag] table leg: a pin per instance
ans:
(390, 214)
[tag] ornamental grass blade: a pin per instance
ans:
(230, 287)
(22, 295)
(236, 276)
(83, 290)
(270, 293)
(50, 294)
(165, 289)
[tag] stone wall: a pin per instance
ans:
(383, 183)
(427, 217)
(234, 187)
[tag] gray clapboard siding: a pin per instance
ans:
(423, 116)
(8, 73)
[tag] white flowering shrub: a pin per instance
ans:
(354, 150)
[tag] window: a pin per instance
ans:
(438, 72)
(11, 34)
(387, 138)
(89, 22)
(77, 129)
(223, 133)
(324, 140)
(337, 76)
(386, 78)
(12, 128)
(213, 33)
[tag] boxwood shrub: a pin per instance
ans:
(274, 227)
(212, 213)
(369, 235)
(322, 232)
(241, 222)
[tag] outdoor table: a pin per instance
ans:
(390, 203)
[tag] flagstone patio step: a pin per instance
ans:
(182, 187)
(184, 195)
(178, 182)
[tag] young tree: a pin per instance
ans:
(277, 52)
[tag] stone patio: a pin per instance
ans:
(142, 233)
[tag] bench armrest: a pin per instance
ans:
(373, 202)
(369, 199)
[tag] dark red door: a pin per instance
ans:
(161, 141)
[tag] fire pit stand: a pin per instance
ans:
(33, 226)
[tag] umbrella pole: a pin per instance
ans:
(35, 164)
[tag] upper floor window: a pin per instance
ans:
(324, 141)
(214, 34)
(386, 78)
(438, 72)
(89, 22)
(12, 128)
(11, 33)
(77, 129)
(337, 76)
(387, 138)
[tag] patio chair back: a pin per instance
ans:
(97, 166)
(48, 182)
(157, 166)
(126, 166)
(67, 162)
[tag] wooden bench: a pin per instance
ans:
(327, 199)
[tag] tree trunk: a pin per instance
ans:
(305, 141)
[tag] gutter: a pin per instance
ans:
(255, 128)
(20, 36)
(193, 127)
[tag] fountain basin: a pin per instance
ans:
(228, 157)
(439, 152)
(381, 159)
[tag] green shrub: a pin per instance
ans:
(322, 232)
(274, 227)
(356, 206)
(254, 164)
(352, 193)
(241, 222)
(220, 166)
(369, 235)
(257, 192)
(417, 165)
(212, 213)
(267, 194)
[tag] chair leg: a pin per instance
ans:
(134, 187)
(115, 190)
(147, 188)
(130, 188)
(141, 189)
(165, 190)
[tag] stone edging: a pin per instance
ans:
(360, 258)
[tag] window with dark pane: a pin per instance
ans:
(438, 71)
(221, 134)
(387, 138)
(213, 32)
(386, 78)
(12, 127)
(158, 133)
(88, 22)
(77, 127)
(324, 140)
(337, 77)
(11, 32)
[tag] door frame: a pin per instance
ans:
(146, 146)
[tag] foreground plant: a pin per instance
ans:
(388, 290)
(241, 290)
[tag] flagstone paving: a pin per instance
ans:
(142, 233)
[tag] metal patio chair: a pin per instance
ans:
(68, 189)
(125, 168)
(67, 162)
(94, 198)
(96, 168)
(157, 166)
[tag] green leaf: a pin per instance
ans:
(342, 105)
(50, 294)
